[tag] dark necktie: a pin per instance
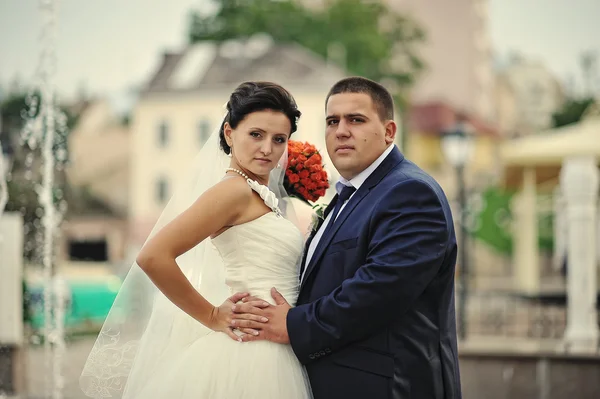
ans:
(347, 191)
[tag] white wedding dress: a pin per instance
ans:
(257, 255)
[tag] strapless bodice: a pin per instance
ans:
(262, 254)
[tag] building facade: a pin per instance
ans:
(183, 104)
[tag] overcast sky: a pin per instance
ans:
(108, 45)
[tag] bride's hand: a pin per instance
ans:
(220, 318)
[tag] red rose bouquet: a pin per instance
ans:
(305, 177)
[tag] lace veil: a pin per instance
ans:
(143, 328)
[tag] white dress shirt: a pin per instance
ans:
(355, 182)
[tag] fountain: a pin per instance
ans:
(5, 164)
(43, 121)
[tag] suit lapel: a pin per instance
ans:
(326, 239)
(313, 233)
(393, 159)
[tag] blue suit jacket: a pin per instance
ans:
(375, 314)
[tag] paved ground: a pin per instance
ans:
(75, 357)
(512, 353)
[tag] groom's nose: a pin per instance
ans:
(343, 129)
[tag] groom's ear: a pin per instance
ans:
(390, 131)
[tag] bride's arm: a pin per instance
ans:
(220, 206)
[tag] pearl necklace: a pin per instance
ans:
(239, 172)
(262, 190)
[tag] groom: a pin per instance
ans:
(375, 313)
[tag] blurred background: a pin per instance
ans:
(104, 103)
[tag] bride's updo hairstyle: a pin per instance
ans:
(252, 97)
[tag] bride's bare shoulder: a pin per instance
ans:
(230, 189)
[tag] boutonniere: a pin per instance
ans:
(317, 218)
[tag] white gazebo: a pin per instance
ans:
(569, 155)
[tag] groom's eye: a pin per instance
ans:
(331, 122)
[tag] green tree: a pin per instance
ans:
(13, 111)
(26, 171)
(571, 111)
(574, 108)
(371, 39)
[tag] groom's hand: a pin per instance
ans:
(274, 330)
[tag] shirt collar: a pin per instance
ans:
(362, 177)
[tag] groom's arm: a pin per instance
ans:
(407, 247)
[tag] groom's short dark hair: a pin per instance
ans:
(381, 97)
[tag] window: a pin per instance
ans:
(203, 131)
(88, 250)
(163, 134)
(162, 190)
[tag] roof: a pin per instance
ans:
(205, 64)
(436, 117)
(546, 151)
(552, 146)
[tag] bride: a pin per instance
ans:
(168, 334)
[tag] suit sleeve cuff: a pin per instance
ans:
(298, 333)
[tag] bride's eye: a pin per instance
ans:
(255, 134)
(280, 140)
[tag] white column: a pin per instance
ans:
(525, 236)
(579, 184)
(11, 297)
(11, 274)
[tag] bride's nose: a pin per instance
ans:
(266, 148)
